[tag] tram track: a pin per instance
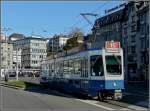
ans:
(95, 102)
(112, 103)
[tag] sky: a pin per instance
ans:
(47, 18)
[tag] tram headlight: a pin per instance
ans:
(115, 84)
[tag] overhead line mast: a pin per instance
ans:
(84, 15)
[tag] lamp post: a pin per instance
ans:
(0, 60)
(17, 64)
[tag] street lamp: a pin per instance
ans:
(17, 64)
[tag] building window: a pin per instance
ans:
(133, 49)
(142, 59)
(132, 38)
(133, 28)
(143, 43)
(143, 29)
(34, 62)
(133, 18)
(125, 31)
(41, 56)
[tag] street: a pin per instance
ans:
(48, 100)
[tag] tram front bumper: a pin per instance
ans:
(117, 95)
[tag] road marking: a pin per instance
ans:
(137, 107)
(124, 109)
(94, 103)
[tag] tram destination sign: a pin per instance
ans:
(112, 46)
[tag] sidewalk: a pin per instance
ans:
(136, 94)
(138, 89)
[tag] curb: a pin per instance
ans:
(11, 86)
(140, 95)
(136, 107)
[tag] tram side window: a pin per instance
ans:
(44, 70)
(70, 68)
(65, 66)
(57, 68)
(50, 74)
(52, 69)
(47, 69)
(97, 65)
(84, 68)
(77, 67)
(61, 69)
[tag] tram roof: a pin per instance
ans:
(80, 52)
(92, 49)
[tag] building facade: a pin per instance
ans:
(17, 58)
(2, 36)
(130, 26)
(108, 28)
(56, 43)
(6, 55)
(136, 36)
(17, 51)
(33, 51)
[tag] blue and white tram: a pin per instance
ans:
(95, 72)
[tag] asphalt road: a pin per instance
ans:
(48, 100)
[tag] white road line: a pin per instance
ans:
(124, 109)
(137, 107)
(93, 103)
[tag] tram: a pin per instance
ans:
(94, 72)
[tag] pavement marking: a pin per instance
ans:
(94, 104)
(137, 107)
(124, 109)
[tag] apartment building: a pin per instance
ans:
(136, 36)
(130, 26)
(6, 55)
(107, 28)
(33, 51)
(56, 43)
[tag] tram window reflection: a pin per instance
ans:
(97, 65)
(113, 65)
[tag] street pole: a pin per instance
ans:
(0, 60)
(6, 68)
(17, 64)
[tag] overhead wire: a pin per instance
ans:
(95, 10)
(81, 20)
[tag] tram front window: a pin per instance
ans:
(113, 65)
(96, 65)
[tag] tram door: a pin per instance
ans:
(84, 74)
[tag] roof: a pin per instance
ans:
(111, 18)
(36, 38)
(146, 8)
(32, 38)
